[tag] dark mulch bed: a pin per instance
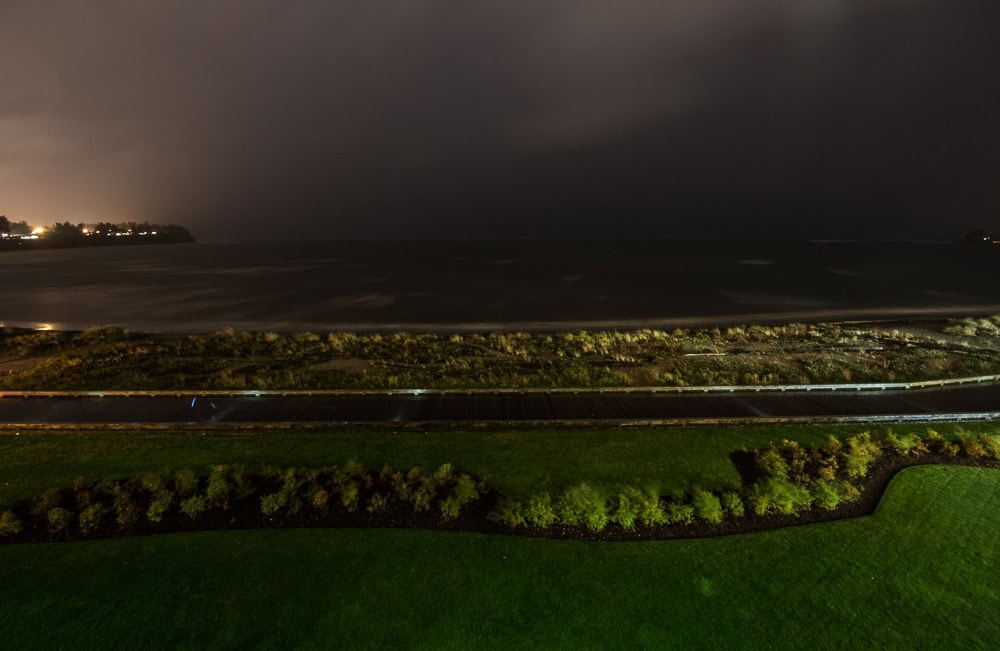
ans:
(246, 514)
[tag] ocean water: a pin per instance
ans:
(445, 286)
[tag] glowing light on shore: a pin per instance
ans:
(38, 231)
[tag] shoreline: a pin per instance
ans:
(859, 316)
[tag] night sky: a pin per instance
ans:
(504, 118)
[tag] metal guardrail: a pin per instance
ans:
(257, 393)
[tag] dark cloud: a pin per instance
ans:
(499, 118)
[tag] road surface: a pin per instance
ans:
(501, 406)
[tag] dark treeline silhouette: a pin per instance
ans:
(21, 236)
(981, 236)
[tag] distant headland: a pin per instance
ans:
(21, 236)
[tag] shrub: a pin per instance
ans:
(126, 513)
(401, 485)
(104, 334)
(626, 508)
(906, 444)
(797, 459)
(90, 518)
(916, 443)
(272, 473)
(972, 447)
(509, 512)
(860, 454)
(349, 495)
(827, 469)
(321, 499)
(934, 440)
(271, 504)
(151, 482)
(679, 513)
(83, 497)
(950, 448)
(582, 504)
(848, 492)
(651, 511)
(219, 487)
(377, 503)
(106, 487)
(58, 519)
(354, 468)
(760, 500)
(443, 475)
(771, 462)
(450, 507)
(465, 489)
(991, 443)
(825, 495)
(292, 480)
(242, 485)
(733, 503)
(540, 512)
(159, 506)
(185, 482)
(423, 496)
(780, 496)
(46, 502)
(193, 506)
(10, 524)
(291, 487)
(707, 506)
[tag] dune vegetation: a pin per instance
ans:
(114, 358)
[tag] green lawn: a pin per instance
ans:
(924, 571)
(519, 463)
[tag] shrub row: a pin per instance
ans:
(276, 494)
(790, 479)
(584, 505)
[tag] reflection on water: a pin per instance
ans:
(362, 285)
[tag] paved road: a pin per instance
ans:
(495, 407)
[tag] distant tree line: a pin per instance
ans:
(20, 235)
(979, 236)
(8, 227)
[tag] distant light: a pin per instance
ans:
(86, 231)
(38, 231)
(44, 326)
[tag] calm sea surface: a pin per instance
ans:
(488, 285)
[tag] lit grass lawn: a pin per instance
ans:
(519, 463)
(923, 572)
